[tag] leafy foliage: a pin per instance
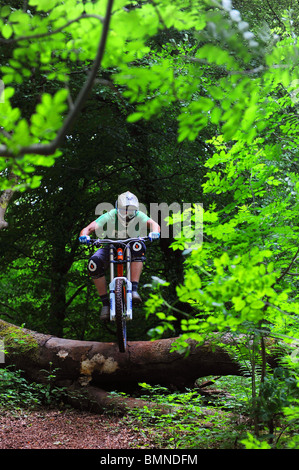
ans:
(17, 393)
(217, 420)
(182, 72)
(200, 96)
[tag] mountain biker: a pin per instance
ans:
(119, 220)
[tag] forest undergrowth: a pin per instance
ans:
(216, 414)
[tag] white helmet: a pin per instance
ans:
(127, 205)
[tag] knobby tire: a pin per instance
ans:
(120, 311)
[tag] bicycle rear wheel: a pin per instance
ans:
(120, 314)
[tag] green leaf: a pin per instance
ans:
(134, 117)
(239, 303)
(5, 11)
(258, 304)
(7, 31)
(44, 5)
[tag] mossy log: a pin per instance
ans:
(101, 366)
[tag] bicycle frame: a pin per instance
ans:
(120, 275)
(123, 248)
(120, 286)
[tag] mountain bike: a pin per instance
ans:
(120, 286)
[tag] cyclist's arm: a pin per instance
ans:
(89, 229)
(153, 226)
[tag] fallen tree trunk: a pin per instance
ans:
(96, 400)
(101, 365)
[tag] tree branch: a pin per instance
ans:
(254, 71)
(50, 33)
(50, 148)
(275, 14)
(289, 267)
(75, 295)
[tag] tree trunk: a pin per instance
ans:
(93, 365)
(4, 201)
(60, 266)
(57, 301)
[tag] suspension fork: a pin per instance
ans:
(120, 275)
(129, 284)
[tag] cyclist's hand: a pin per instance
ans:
(153, 236)
(84, 239)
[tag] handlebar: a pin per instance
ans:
(99, 241)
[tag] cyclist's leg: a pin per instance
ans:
(97, 266)
(138, 257)
(101, 285)
(136, 270)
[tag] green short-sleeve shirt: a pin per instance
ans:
(109, 225)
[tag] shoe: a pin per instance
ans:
(136, 299)
(105, 313)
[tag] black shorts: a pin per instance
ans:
(99, 262)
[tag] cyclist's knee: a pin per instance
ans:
(96, 268)
(138, 250)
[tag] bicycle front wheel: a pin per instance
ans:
(120, 314)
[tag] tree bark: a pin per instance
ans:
(4, 201)
(100, 366)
